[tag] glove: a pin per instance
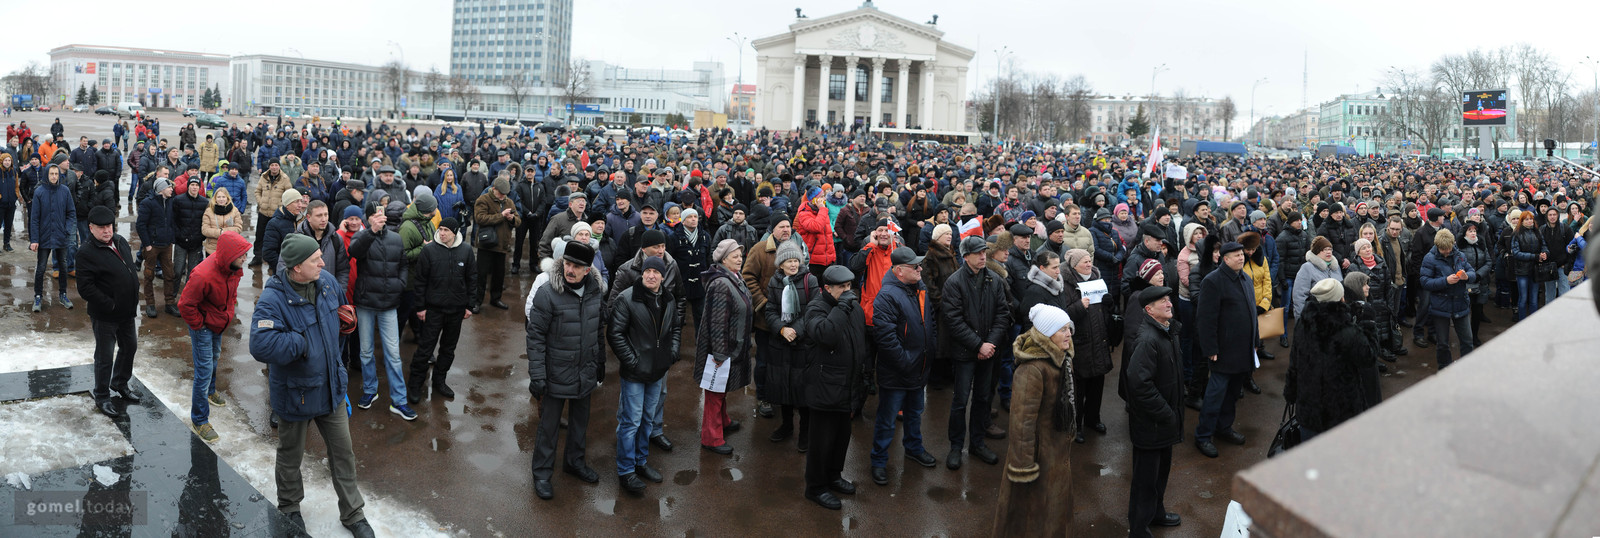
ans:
(537, 389)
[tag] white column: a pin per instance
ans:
(850, 63)
(797, 116)
(875, 91)
(961, 110)
(824, 72)
(925, 110)
(900, 85)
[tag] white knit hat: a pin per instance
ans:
(1048, 319)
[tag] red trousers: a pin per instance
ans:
(714, 419)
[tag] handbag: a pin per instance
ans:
(1271, 323)
(1288, 433)
(488, 237)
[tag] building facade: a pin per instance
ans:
(490, 39)
(615, 95)
(152, 77)
(1197, 118)
(742, 106)
(264, 84)
(899, 73)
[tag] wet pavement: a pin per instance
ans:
(465, 463)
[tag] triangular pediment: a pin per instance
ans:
(867, 30)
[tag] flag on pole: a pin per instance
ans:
(1155, 153)
(973, 227)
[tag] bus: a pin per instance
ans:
(901, 137)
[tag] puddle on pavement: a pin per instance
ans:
(666, 506)
(606, 506)
(943, 494)
(486, 462)
(851, 523)
(733, 474)
(685, 477)
(441, 445)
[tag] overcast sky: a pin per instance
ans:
(1211, 48)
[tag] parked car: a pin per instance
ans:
(44, 108)
(552, 126)
(128, 109)
(105, 111)
(191, 112)
(79, 109)
(291, 114)
(210, 121)
(680, 134)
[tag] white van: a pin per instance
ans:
(128, 109)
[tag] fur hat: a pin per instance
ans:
(1249, 240)
(1319, 243)
(1353, 283)
(1328, 290)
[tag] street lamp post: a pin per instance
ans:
(1594, 70)
(738, 42)
(998, 63)
(1262, 80)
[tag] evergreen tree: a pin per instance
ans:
(82, 97)
(94, 96)
(1139, 125)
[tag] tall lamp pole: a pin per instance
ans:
(999, 55)
(1262, 80)
(1153, 72)
(738, 42)
(1594, 70)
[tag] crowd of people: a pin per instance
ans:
(827, 269)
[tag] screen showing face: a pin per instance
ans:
(1483, 107)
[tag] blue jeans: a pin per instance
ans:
(1441, 327)
(974, 378)
(1562, 286)
(890, 403)
(1527, 297)
(206, 347)
(42, 265)
(389, 330)
(637, 403)
(656, 420)
(1216, 414)
(73, 236)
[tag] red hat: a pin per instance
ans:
(695, 173)
(1149, 268)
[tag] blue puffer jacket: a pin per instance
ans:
(236, 189)
(1447, 299)
(266, 154)
(299, 342)
(53, 215)
(904, 334)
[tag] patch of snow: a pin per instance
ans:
(56, 433)
(19, 480)
(105, 476)
(26, 352)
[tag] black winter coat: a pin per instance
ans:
(279, 226)
(1526, 245)
(785, 361)
(693, 259)
(188, 213)
(1225, 321)
(1292, 246)
(1130, 271)
(973, 310)
(380, 268)
(1090, 341)
(564, 334)
(447, 277)
(1482, 263)
(155, 224)
(108, 279)
(645, 340)
(1332, 367)
(901, 330)
(1152, 384)
(1379, 279)
(838, 362)
(1343, 235)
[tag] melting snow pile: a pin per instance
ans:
(28, 351)
(55, 433)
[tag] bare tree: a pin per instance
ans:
(1227, 111)
(32, 79)
(519, 85)
(396, 76)
(460, 91)
(1419, 109)
(435, 86)
(576, 86)
(1183, 108)
(1076, 113)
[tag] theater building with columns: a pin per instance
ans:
(899, 73)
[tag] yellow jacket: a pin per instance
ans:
(1261, 277)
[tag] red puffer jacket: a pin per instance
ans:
(213, 289)
(812, 222)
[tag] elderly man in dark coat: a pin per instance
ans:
(565, 362)
(832, 383)
(1227, 332)
(1155, 412)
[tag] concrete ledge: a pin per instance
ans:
(1503, 443)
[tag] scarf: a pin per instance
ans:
(223, 210)
(791, 298)
(1052, 285)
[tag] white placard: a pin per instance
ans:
(715, 378)
(1093, 289)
